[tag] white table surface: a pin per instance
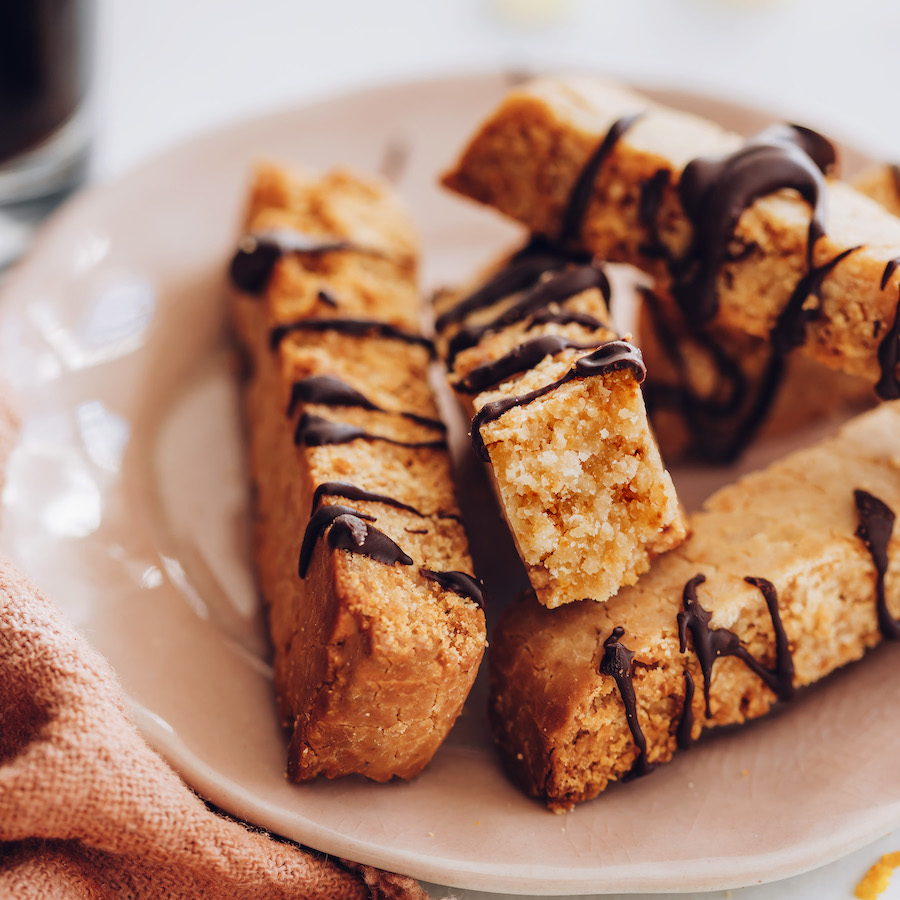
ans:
(171, 68)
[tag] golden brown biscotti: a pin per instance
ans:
(557, 412)
(710, 393)
(756, 274)
(778, 585)
(359, 549)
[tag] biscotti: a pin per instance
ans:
(557, 411)
(789, 574)
(712, 392)
(747, 233)
(360, 553)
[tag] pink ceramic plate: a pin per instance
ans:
(126, 503)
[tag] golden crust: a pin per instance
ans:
(526, 158)
(372, 661)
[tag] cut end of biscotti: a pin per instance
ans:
(583, 486)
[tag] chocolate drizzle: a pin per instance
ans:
(618, 663)
(715, 192)
(352, 327)
(316, 431)
(353, 492)
(729, 420)
(564, 317)
(252, 264)
(457, 582)
(790, 327)
(519, 359)
(327, 390)
(321, 519)
(350, 532)
(520, 273)
(712, 643)
(888, 386)
(580, 195)
(876, 524)
(557, 287)
(609, 357)
(684, 734)
(649, 204)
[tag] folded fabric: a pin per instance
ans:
(88, 809)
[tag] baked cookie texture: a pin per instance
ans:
(526, 161)
(709, 393)
(557, 411)
(360, 553)
(788, 574)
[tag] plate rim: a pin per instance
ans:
(783, 864)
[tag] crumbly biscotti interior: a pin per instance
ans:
(577, 471)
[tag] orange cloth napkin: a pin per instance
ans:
(88, 810)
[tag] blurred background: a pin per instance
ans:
(172, 67)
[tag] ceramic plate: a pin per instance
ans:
(126, 502)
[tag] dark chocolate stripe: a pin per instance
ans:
(781, 678)
(565, 317)
(712, 643)
(716, 438)
(684, 734)
(517, 275)
(888, 385)
(327, 390)
(790, 327)
(557, 288)
(252, 264)
(349, 532)
(876, 524)
(618, 663)
(353, 492)
(649, 204)
(352, 327)
(457, 582)
(715, 192)
(519, 359)
(318, 522)
(609, 357)
(580, 195)
(316, 431)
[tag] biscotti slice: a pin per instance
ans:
(789, 574)
(556, 410)
(713, 391)
(748, 233)
(360, 553)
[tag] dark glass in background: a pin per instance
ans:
(45, 56)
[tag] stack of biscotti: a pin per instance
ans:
(781, 582)
(752, 236)
(359, 549)
(557, 412)
(755, 250)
